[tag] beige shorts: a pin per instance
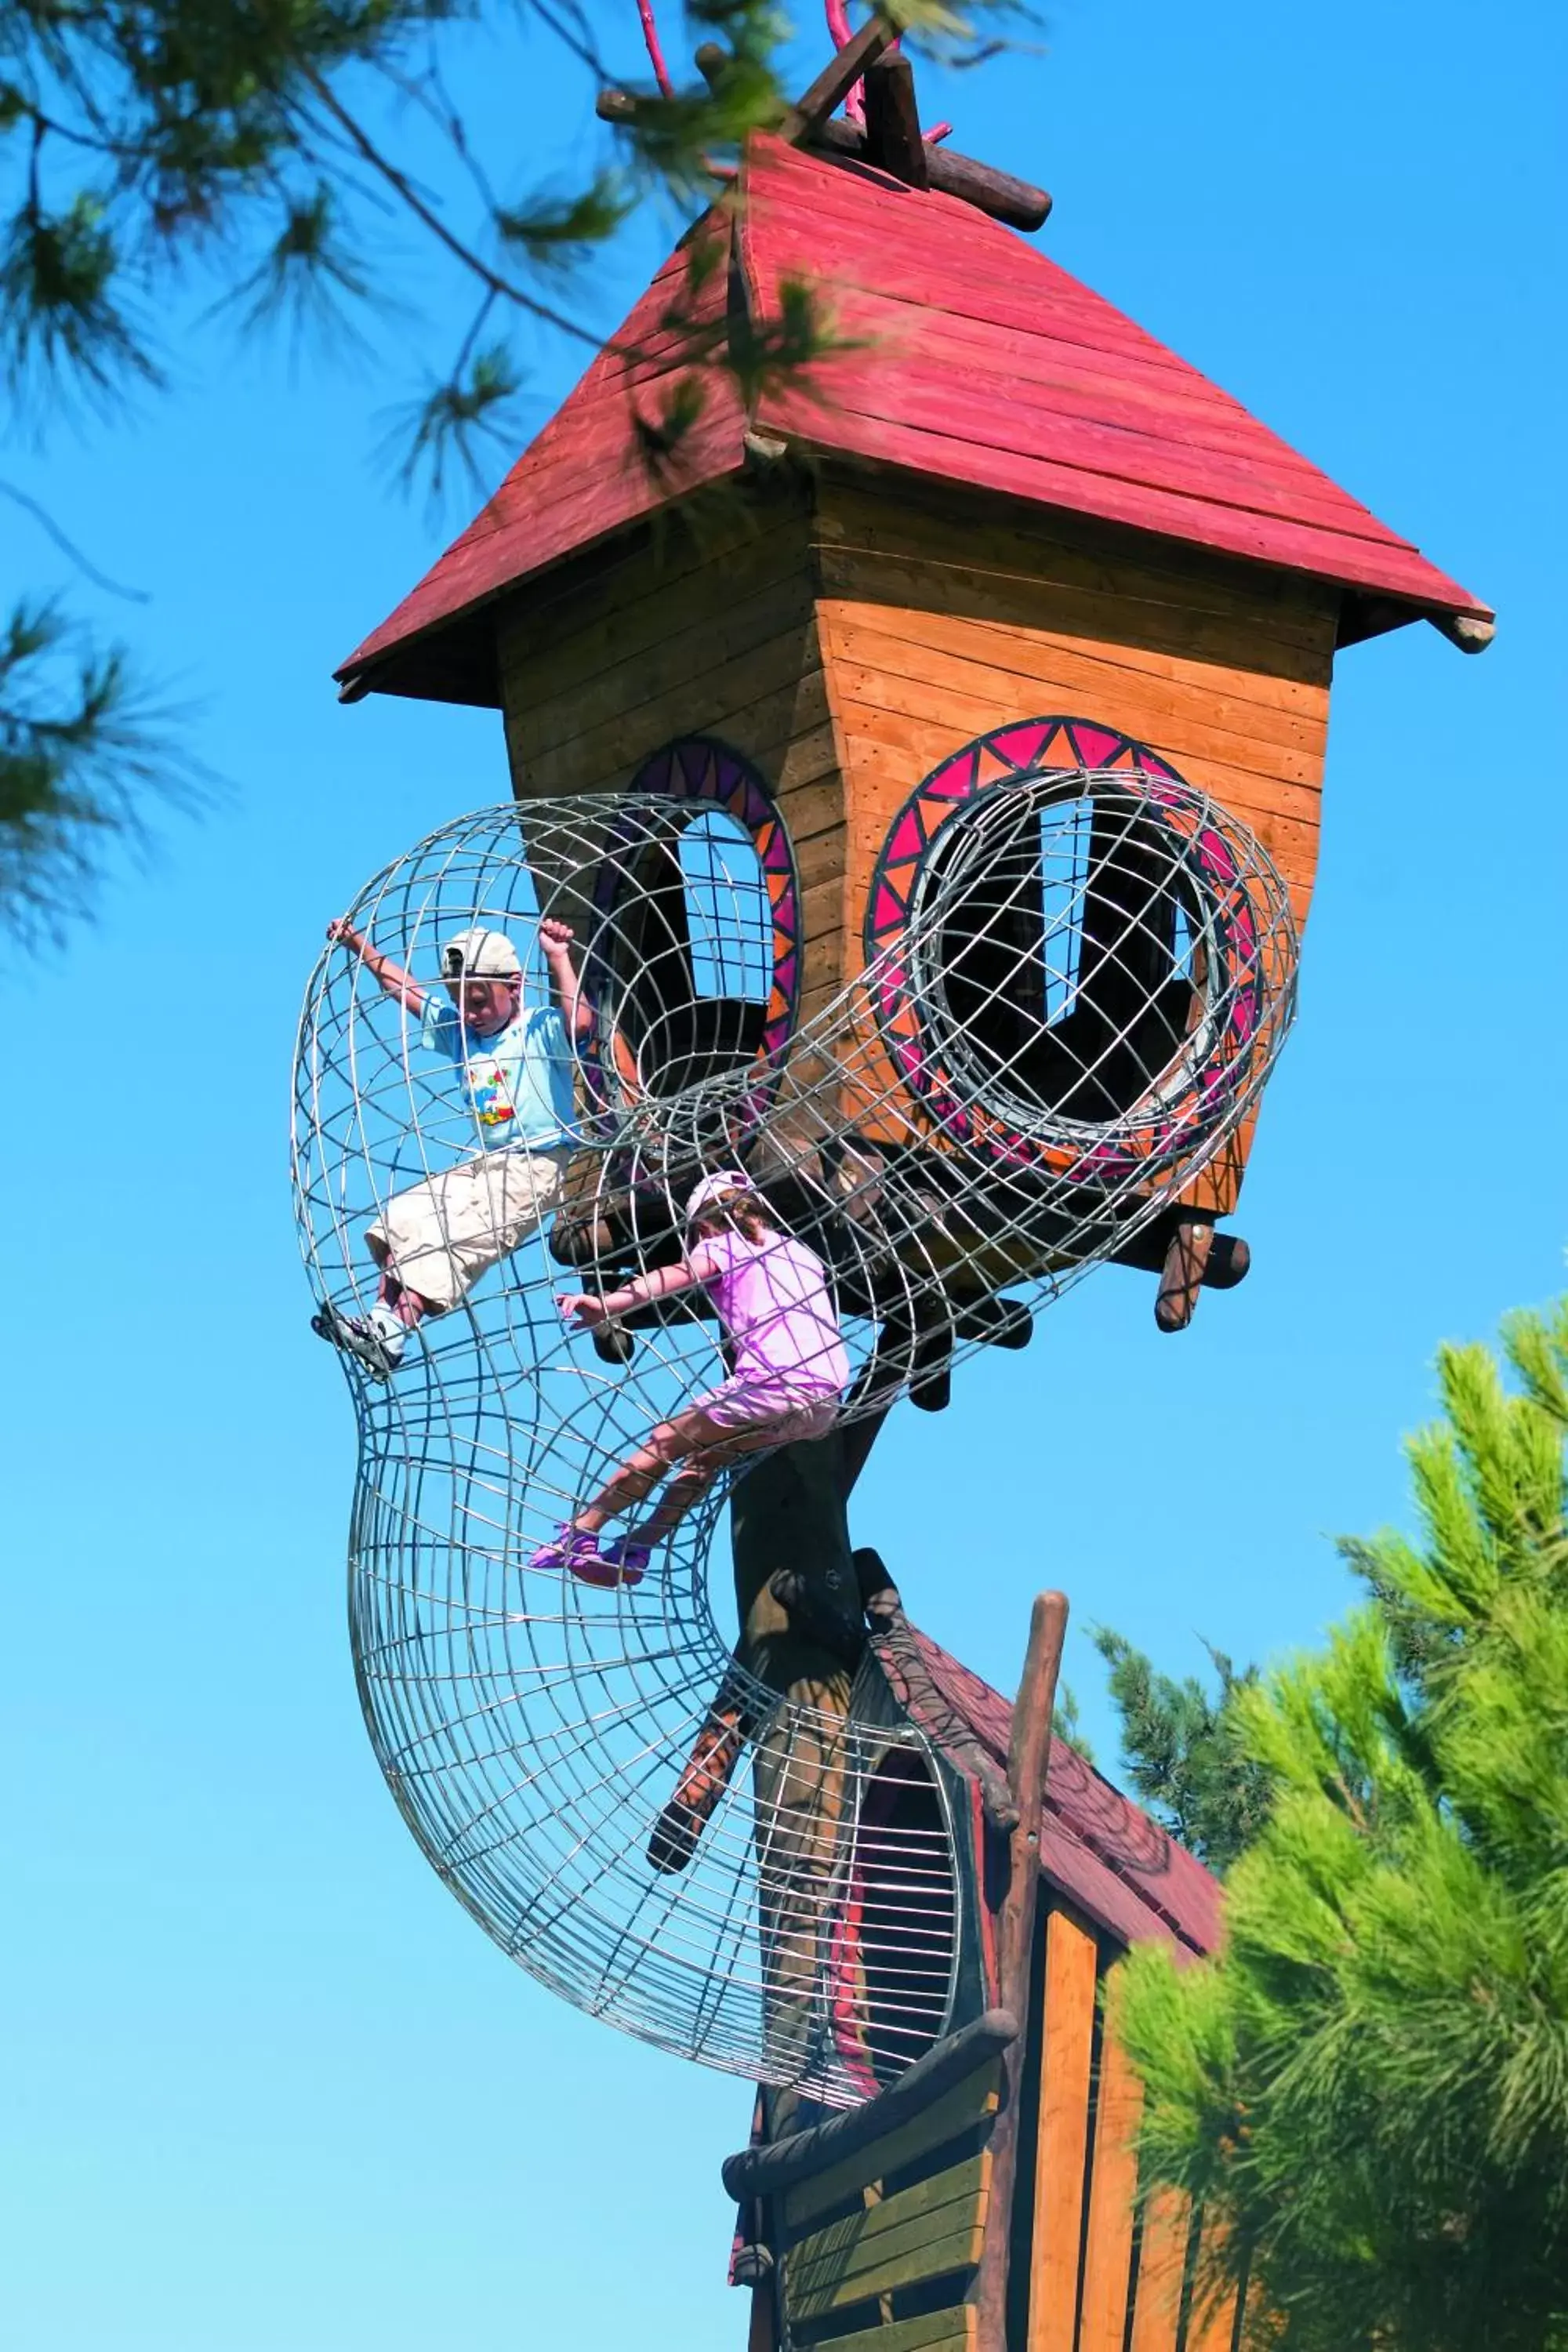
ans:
(439, 1236)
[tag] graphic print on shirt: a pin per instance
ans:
(518, 1081)
(493, 1105)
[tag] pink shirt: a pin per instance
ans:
(773, 1301)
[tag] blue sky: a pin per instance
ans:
(266, 2085)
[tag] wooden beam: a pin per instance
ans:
(1113, 2189)
(1364, 614)
(916, 2234)
(836, 81)
(1162, 2265)
(1466, 630)
(763, 2335)
(1016, 201)
(772, 2167)
(940, 2331)
(957, 2113)
(893, 121)
(1068, 2044)
(1028, 1760)
(1211, 2323)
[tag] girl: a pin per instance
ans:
(790, 1372)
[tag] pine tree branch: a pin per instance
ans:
(402, 187)
(69, 548)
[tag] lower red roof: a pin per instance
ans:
(1119, 1867)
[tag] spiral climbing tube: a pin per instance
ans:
(1078, 1003)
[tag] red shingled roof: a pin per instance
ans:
(581, 480)
(981, 363)
(1105, 1855)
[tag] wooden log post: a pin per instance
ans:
(789, 1532)
(1028, 1760)
(1016, 201)
(836, 81)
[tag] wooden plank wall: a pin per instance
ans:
(709, 631)
(856, 2241)
(846, 637)
(903, 2217)
(1102, 2277)
(938, 623)
(936, 628)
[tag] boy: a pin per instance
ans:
(433, 1242)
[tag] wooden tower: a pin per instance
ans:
(1003, 525)
(998, 529)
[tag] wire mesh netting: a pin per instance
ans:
(1096, 972)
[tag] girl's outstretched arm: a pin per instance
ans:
(590, 1312)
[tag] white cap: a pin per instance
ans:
(725, 1179)
(479, 955)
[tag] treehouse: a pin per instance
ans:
(989, 656)
(996, 534)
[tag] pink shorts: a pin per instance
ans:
(786, 1410)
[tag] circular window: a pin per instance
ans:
(1075, 954)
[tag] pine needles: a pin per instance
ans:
(1372, 2081)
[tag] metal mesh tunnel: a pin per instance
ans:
(1081, 1004)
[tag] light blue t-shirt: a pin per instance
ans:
(518, 1081)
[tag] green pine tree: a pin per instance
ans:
(1182, 1750)
(1369, 2082)
(297, 162)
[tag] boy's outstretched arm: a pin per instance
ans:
(556, 940)
(382, 969)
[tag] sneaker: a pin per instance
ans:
(570, 1548)
(578, 1551)
(378, 1345)
(627, 1554)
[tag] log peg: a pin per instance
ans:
(815, 1620)
(1181, 1279)
(995, 192)
(893, 138)
(995, 1323)
(880, 1596)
